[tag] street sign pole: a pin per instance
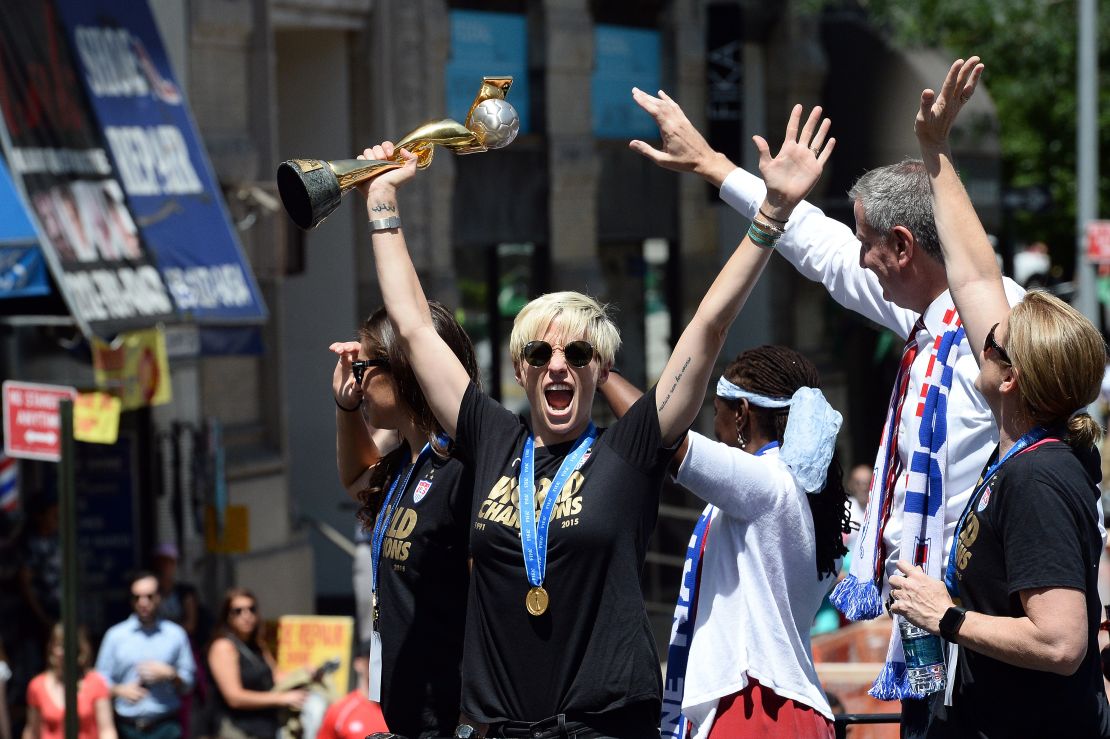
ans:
(1087, 156)
(67, 495)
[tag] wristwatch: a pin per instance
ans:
(950, 623)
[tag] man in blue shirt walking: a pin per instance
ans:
(148, 665)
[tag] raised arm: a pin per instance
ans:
(441, 375)
(790, 176)
(821, 248)
(973, 274)
(620, 394)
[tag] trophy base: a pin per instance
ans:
(309, 191)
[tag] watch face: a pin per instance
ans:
(466, 731)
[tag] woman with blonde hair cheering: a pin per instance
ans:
(558, 641)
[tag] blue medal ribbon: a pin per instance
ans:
(1028, 439)
(385, 518)
(533, 533)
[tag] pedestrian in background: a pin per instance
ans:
(243, 670)
(355, 715)
(180, 604)
(148, 664)
(46, 695)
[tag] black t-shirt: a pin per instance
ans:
(592, 651)
(1033, 527)
(422, 599)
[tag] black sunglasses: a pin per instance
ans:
(577, 353)
(991, 343)
(243, 609)
(359, 367)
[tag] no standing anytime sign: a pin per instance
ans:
(32, 422)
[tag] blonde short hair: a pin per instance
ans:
(575, 315)
(1060, 357)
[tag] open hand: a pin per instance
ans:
(347, 391)
(938, 112)
(923, 600)
(793, 172)
(684, 149)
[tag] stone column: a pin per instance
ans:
(566, 42)
(398, 74)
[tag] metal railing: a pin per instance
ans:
(841, 721)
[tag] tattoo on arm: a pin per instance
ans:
(677, 379)
(389, 207)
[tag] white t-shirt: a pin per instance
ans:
(759, 589)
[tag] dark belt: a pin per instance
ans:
(555, 727)
(144, 723)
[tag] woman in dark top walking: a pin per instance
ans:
(243, 670)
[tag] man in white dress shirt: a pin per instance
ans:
(889, 269)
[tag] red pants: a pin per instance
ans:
(759, 713)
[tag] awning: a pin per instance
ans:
(100, 142)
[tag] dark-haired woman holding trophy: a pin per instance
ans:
(558, 641)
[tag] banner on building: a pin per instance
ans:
(96, 418)
(623, 58)
(134, 368)
(155, 147)
(487, 43)
(54, 153)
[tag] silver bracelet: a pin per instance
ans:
(384, 224)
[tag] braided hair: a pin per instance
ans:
(777, 372)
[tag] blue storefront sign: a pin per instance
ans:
(154, 145)
(22, 269)
(485, 44)
(623, 58)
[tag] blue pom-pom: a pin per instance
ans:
(857, 599)
(892, 684)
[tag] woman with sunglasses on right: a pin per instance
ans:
(414, 499)
(243, 669)
(558, 641)
(1019, 598)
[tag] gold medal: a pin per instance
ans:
(536, 601)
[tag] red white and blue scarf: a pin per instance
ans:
(859, 595)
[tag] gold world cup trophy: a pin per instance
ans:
(311, 189)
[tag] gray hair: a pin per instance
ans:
(899, 195)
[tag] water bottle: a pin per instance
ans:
(924, 654)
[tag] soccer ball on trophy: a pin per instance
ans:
(495, 122)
